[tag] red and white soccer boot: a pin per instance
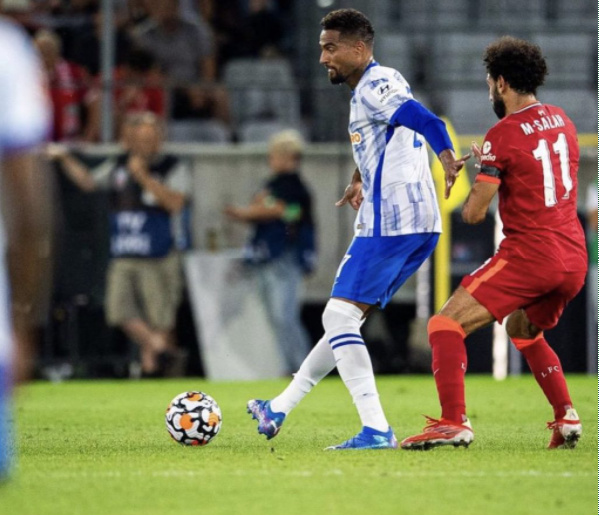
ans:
(565, 431)
(440, 432)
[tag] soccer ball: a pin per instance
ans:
(193, 418)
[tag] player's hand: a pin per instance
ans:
(352, 195)
(56, 151)
(452, 167)
(138, 167)
(234, 213)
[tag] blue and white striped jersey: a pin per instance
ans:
(399, 193)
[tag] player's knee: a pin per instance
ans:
(518, 326)
(340, 316)
(440, 322)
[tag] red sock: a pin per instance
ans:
(447, 340)
(545, 366)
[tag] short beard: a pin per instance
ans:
(337, 79)
(498, 105)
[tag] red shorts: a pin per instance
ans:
(506, 283)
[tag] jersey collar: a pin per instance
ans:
(533, 104)
(371, 65)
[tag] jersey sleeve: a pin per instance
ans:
(383, 96)
(492, 157)
(24, 106)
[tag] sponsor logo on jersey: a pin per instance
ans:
(385, 92)
(355, 138)
(487, 147)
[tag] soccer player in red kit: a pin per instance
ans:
(531, 159)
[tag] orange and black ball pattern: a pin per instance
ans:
(193, 418)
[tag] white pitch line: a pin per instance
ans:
(308, 474)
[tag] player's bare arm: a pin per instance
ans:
(263, 208)
(481, 194)
(74, 169)
(26, 211)
(478, 202)
(353, 193)
(167, 198)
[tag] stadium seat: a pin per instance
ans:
(470, 110)
(458, 59)
(570, 58)
(420, 13)
(262, 89)
(576, 14)
(580, 105)
(260, 130)
(395, 51)
(198, 131)
(509, 15)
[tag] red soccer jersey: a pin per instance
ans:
(534, 155)
(67, 90)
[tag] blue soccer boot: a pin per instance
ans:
(269, 422)
(368, 439)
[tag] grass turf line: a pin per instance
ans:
(102, 448)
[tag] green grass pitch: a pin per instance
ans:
(102, 448)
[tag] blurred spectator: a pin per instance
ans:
(86, 46)
(138, 87)
(264, 30)
(226, 21)
(66, 18)
(136, 11)
(185, 52)
(148, 190)
(66, 85)
(256, 31)
(283, 243)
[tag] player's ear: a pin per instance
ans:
(501, 84)
(360, 47)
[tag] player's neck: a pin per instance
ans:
(517, 102)
(354, 78)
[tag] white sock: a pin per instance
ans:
(342, 322)
(318, 364)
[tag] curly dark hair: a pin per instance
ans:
(350, 22)
(520, 62)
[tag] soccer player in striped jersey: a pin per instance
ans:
(24, 123)
(530, 158)
(397, 225)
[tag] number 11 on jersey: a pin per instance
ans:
(542, 153)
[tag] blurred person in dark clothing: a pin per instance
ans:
(264, 30)
(185, 51)
(148, 191)
(86, 44)
(138, 87)
(282, 246)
